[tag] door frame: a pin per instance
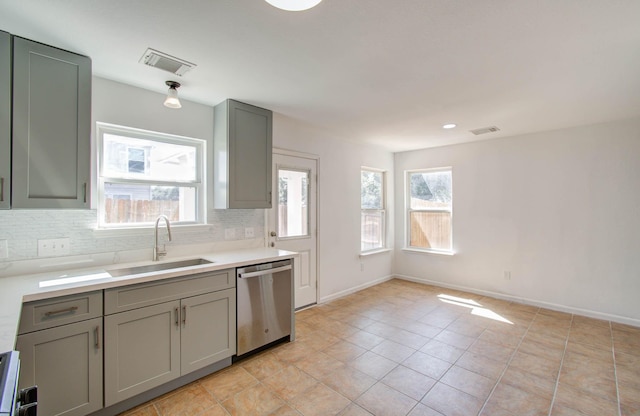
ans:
(313, 228)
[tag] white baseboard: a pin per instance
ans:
(527, 301)
(355, 289)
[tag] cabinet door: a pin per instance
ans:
(142, 349)
(5, 119)
(51, 127)
(208, 329)
(242, 156)
(66, 365)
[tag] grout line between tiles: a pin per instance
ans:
(555, 389)
(615, 369)
(507, 365)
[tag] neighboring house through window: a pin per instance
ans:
(429, 210)
(144, 174)
(373, 214)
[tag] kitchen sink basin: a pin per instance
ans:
(157, 267)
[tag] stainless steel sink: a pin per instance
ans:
(157, 267)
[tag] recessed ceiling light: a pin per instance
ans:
(294, 5)
(449, 126)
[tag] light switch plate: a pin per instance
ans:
(54, 247)
(4, 249)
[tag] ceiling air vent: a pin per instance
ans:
(484, 130)
(166, 62)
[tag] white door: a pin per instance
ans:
(292, 222)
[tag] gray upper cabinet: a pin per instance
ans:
(5, 120)
(242, 150)
(51, 127)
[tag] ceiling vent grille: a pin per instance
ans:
(166, 62)
(485, 130)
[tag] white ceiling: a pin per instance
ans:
(383, 72)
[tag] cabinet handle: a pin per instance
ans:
(96, 332)
(177, 317)
(58, 312)
(1, 189)
(84, 192)
(184, 315)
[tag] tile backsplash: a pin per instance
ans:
(23, 228)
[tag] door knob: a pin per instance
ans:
(273, 234)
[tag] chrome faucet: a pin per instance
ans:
(157, 253)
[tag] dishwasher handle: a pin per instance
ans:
(263, 272)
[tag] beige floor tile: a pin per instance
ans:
(422, 410)
(216, 410)
(319, 364)
(349, 382)
(451, 402)
(225, 384)
(321, 339)
(320, 401)
(520, 402)
(294, 351)
(393, 351)
(365, 339)
(543, 387)
(289, 382)
(146, 409)
(541, 349)
(382, 400)
(354, 410)
(285, 411)
(373, 364)
(263, 366)
(255, 401)
(191, 400)
(344, 351)
(537, 366)
(468, 382)
(491, 408)
(491, 350)
(427, 365)
(585, 402)
(455, 339)
(590, 351)
(502, 338)
(409, 339)
(409, 382)
(420, 328)
(482, 365)
(445, 352)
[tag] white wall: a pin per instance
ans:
(560, 210)
(341, 268)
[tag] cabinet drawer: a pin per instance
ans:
(49, 313)
(146, 294)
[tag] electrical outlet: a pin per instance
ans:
(54, 247)
(229, 233)
(248, 232)
(507, 275)
(4, 249)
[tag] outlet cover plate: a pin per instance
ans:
(54, 247)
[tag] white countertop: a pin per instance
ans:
(18, 289)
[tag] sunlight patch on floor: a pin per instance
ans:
(476, 308)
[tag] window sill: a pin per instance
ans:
(123, 232)
(420, 251)
(374, 252)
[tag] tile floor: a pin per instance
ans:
(402, 348)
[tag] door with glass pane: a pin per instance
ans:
(292, 220)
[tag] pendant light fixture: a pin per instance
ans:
(172, 100)
(293, 5)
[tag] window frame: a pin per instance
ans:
(409, 211)
(382, 211)
(199, 182)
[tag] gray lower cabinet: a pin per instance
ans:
(5, 120)
(242, 151)
(150, 346)
(51, 127)
(65, 363)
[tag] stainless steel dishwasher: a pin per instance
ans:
(264, 304)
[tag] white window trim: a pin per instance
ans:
(383, 211)
(199, 183)
(407, 201)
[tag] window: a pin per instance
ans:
(372, 217)
(429, 210)
(143, 174)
